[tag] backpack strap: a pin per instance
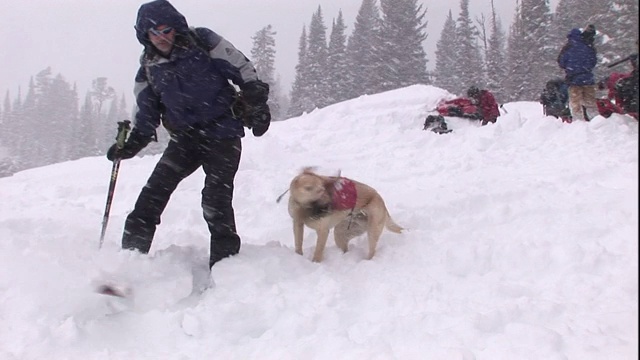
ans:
(196, 39)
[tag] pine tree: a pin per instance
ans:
(17, 137)
(495, 57)
(363, 52)
(469, 65)
(337, 65)
(571, 14)
(100, 93)
(31, 152)
(263, 56)
(300, 101)
(517, 60)
(445, 74)
(263, 53)
(5, 124)
(6, 168)
(404, 33)
(536, 22)
(14, 137)
(617, 28)
(87, 140)
(60, 104)
(317, 54)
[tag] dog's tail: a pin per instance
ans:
(392, 226)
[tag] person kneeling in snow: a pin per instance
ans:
(480, 105)
(488, 110)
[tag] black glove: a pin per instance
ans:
(258, 119)
(134, 144)
(258, 115)
(255, 92)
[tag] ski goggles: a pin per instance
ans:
(164, 31)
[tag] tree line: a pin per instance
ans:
(384, 51)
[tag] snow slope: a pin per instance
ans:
(521, 243)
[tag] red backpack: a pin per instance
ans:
(461, 107)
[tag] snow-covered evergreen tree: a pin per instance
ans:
(403, 29)
(445, 73)
(536, 41)
(469, 66)
(363, 49)
(516, 59)
(101, 92)
(531, 55)
(300, 101)
(263, 55)
(317, 53)
(337, 65)
(6, 129)
(495, 58)
(617, 34)
(87, 143)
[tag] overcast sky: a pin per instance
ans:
(84, 40)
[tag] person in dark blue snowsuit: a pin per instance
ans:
(578, 59)
(183, 83)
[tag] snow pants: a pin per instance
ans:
(185, 153)
(583, 99)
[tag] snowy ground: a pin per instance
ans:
(521, 244)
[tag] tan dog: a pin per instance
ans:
(350, 207)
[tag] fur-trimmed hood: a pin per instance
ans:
(156, 13)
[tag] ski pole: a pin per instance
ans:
(123, 130)
(628, 58)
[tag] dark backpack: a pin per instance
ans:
(555, 98)
(555, 93)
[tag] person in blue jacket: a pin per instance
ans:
(578, 58)
(183, 83)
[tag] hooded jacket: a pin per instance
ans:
(190, 87)
(488, 106)
(578, 60)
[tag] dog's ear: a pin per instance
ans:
(329, 184)
(309, 170)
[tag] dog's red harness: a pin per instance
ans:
(344, 194)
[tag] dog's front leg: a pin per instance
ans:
(323, 235)
(298, 233)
